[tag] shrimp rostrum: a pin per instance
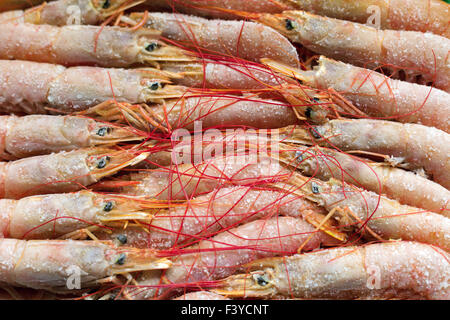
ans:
(405, 270)
(49, 264)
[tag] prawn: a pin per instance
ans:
(396, 269)
(85, 45)
(225, 253)
(34, 135)
(376, 94)
(31, 87)
(398, 184)
(374, 215)
(63, 171)
(416, 54)
(49, 264)
(219, 210)
(412, 146)
(246, 40)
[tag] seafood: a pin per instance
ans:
(413, 146)
(182, 181)
(85, 45)
(220, 210)
(416, 15)
(398, 184)
(31, 87)
(212, 111)
(55, 215)
(226, 252)
(383, 270)
(64, 12)
(374, 215)
(49, 264)
(43, 134)
(63, 171)
(237, 39)
(416, 54)
(376, 94)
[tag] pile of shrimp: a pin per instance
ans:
(224, 149)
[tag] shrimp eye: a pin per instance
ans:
(121, 260)
(315, 188)
(262, 280)
(308, 112)
(106, 4)
(155, 86)
(103, 162)
(151, 47)
(122, 238)
(315, 134)
(289, 24)
(299, 155)
(103, 131)
(108, 206)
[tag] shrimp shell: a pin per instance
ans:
(398, 269)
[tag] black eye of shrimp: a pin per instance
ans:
(155, 86)
(315, 188)
(262, 280)
(289, 24)
(299, 155)
(308, 112)
(103, 131)
(106, 4)
(151, 47)
(108, 206)
(121, 259)
(122, 238)
(315, 134)
(103, 162)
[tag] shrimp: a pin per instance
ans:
(85, 45)
(374, 215)
(418, 55)
(225, 253)
(415, 15)
(396, 269)
(416, 146)
(56, 215)
(62, 172)
(212, 111)
(247, 40)
(49, 264)
(398, 184)
(376, 94)
(66, 12)
(34, 135)
(201, 295)
(31, 87)
(182, 181)
(216, 211)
